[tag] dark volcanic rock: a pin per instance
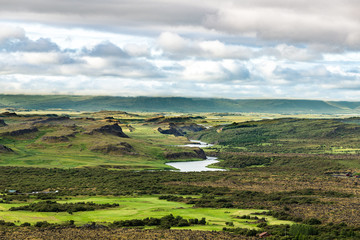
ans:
(195, 153)
(2, 123)
(114, 129)
(5, 149)
(172, 130)
(192, 128)
(181, 129)
(55, 139)
(8, 114)
(85, 118)
(21, 132)
(120, 148)
(200, 153)
(52, 119)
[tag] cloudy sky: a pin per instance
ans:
(205, 48)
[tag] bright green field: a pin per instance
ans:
(139, 208)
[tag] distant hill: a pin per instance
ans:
(174, 104)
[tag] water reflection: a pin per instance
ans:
(195, 166)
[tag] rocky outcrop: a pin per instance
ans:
(116, 149)
(155, 119)
(61, 138)
(200, 153)
(85, 118)
(2, 123)
(52, 119)
(131, 128)
(175, 119)
(181, 129)
(172, 130)
(55, 139)
(193, 153)
(114, 129)
(5, 149)
(21, 132)
(192, 128)
(8, 114)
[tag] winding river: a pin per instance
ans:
(196, 166)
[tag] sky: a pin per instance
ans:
(298, 49)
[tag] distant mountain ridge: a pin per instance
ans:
(175, 104)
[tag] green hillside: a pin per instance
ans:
(173, 104)
(288, 135)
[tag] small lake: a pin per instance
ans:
(196, 166)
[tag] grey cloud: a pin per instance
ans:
(174, 68)
(106, 49)
(61, 64)
(107, 12)
(26, 45)
(240, 73)
(290, 52)
(299, 21)
(318, 76)
(293, 22)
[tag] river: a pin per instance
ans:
(196, 166)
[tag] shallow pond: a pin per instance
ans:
(195, 166)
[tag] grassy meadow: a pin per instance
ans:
(138, 208)
(31, 150)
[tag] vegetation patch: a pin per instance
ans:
(53, 206)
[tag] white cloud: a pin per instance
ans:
(137, 50)
(179, 47)
(9, 32)
(248, 48)
(172, 42)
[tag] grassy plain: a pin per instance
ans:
(138, 208)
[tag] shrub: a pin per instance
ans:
(299, 230)
(313, 221)
(25, 224)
